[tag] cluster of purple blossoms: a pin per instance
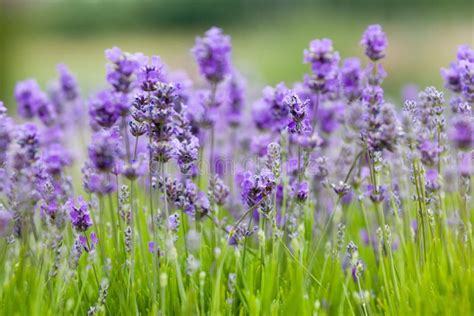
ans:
(185, 196)
(167, 120)
(28, 139)
(459, 77)
(375, 42)
(212, 54)
(461, 132)
(218, 191)
(382, 128)
(55, 159)
(67, 84)
(96, 182)
(234, 99)
(351, 262)
(271, 112)
(105, 150)
(33, 102)
(351, 79)
(300, 191)
(239, 233)
(122, 69)
(428, 124)
(106, 107)
(298, 124)
(324, 65)
(256, 188)
(79, 214)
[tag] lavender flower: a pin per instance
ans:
(28, 140)
(459, 77)
(467, 80)
(173, 222)
(375, 42)
(235, 98)
(351, 79)
(186, 152)
(28, 96)
(297, 109)
(67, 83)
(212, 53)
(218, 190)
(185, 196)
(55, 159)
(462, 132)
(238, 234)
(122, 69)
(383, 129)
(300, 191)
(256, 188)
(322, 57)
(271, 111)
(150, 74)
(430, 151)
(95, 181)
(106, 107)
(324, 65)
(341, 188)
(79, 214)
(105, 150)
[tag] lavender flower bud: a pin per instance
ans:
(79, 214)
(212, 54)
(375, 42)
(218, 190)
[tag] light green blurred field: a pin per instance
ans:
(266, 50)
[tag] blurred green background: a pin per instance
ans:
(268, 36)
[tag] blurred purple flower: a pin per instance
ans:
(212, 54)
(375, 42)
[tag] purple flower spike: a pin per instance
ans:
(375, 42)
(271, 112)
(106, 107)
(235, 99)
(467, 80)
(122, 69)
(324, 65)
(67, 83)
(212, 54)
(105, 150)
(462, 132)
(173, 222)
(255, 188)
(300, 191)
(298, 124)
(322, 57)
(55, 159)
(351, 78)
(79, 214)
(150, 74)
(27, 95)
(32, 101)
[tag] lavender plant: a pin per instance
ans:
(349, 205)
